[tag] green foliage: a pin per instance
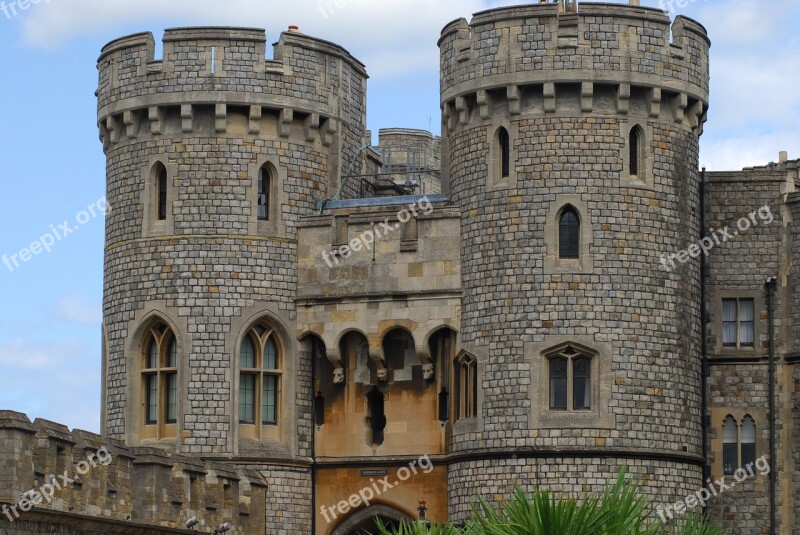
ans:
(619, 510)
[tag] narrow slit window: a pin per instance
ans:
(636, 148)
(581, 378)
(505, 152)
(162, 193)
(569, 228)
(264, 185)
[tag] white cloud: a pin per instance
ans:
(365, 27)
(76, 310)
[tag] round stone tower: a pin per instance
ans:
(214, 153)
(570, 144)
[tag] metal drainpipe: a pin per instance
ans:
(314, 349)
(770, 286)
(703, 333)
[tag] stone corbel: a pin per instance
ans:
(311, 127)
(221, 118)
(695, 113)
(587, 97)
(129, 120)
(255, 120)
(113, 129)
(104, 136)
(156, 117)
(463, 110)
(335, 357)
(328, 130)
(449, 117)
(654, 102)
(428, 368)
(285, 122)
(681, 102)
(514, 100)
(377, 356)
(187, 118)
(623, 98)
(484, 102)
(549, 97)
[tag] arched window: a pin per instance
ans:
(466, 380)
(504, 146)
(569, 232)
(376, 416)
(160, 380)
(570, 379)
(730, 446)
(264, 185)
(161, 191)
(748, 441)
(259, 380)
(636, 144)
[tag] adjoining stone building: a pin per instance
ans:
(296, 323)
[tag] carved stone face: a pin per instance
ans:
(383, 375)
(427, 372)
(338, 376)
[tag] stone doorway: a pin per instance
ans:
(363, 521)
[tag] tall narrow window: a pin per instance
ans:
(160, 381)
(376, 416)
(738, 323)
(259, 380)
(558, 384)
(730, 446)
(748, 441)
(569, 232)
(636, 150)
(264, 185)
(581, 381)
(466, 387)
(504, 143)
(161, 178)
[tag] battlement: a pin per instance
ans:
(310, 80)
(99, 477)
(601, 44)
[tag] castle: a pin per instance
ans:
(303, 331)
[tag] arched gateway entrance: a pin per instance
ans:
(363, 521)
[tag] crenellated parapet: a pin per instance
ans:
(81, 473)
(211, 79)
(534, 60)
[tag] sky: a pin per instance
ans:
(52, 164)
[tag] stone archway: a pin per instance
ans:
(363, 521)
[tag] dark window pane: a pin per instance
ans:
(152, 355)
(569, 234)
(270, 355)
(151, 388)
(558, 384)
(581, 389)
(505, 152)
(162, 193)
(269, 400)
(172, 357)
(172, 398)
(748, 454)
(247, 354)
(264, 184)
(634, 143)
(730, 461)
(746, 322)
(247, 390)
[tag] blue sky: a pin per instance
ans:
(53, 164)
